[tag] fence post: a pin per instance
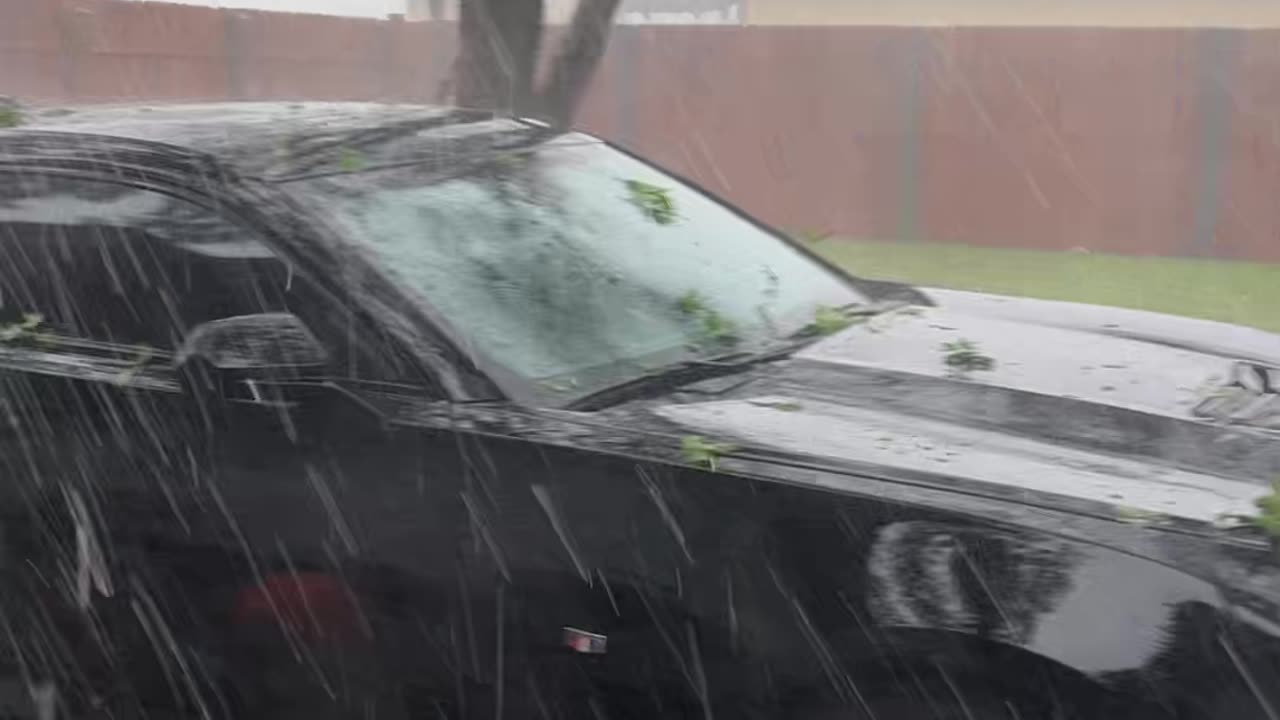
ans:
(236, 41)
(626, 42)
(909, 163)
(392, 89)
(76, 24)
(1217, 50)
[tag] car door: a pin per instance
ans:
(604, 574)
(139, 521)
(94, 429)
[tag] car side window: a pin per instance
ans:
(101, 261)
(108, 262)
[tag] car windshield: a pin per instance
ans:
(574, 267)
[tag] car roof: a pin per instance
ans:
(282, 139)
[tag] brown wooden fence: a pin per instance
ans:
(1146, 141)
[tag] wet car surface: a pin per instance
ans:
(298, 419)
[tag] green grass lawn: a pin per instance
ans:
(1238, 292)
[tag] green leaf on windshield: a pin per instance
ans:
(691, 303)
(719, 328)
(10, 117)
(703, 453)
(828, 321)
(350, 160)
(713, 326)
(509, 161)
(1268, 517)
(655, 202)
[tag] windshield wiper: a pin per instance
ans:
(697, 369)
(686, 372)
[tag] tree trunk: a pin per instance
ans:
(499, 50)
(579, 55)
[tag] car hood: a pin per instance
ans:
(1138, 411)
(1143, 361)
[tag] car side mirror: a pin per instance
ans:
(248, 358)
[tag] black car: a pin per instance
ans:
(340, 410)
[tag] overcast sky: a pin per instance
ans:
(359, 8)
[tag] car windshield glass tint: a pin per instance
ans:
(575, 266)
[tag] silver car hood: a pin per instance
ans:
(1137, 360)
(1145, 364)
